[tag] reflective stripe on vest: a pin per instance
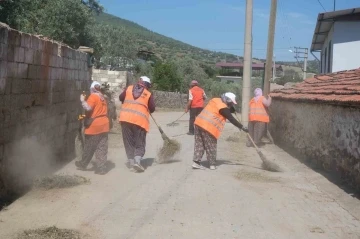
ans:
(136, 111)
(210, 118)
(257, 111)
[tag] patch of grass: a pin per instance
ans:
(169, 149)
(50, 232)
(255, 177)
(60, 181)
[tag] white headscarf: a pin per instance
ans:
(95, 91)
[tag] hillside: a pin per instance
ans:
(164, 47)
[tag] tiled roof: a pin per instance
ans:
(339, 88)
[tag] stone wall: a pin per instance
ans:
(40, 85)
(170, 100)
(327, 136)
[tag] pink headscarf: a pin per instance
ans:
(257, 92)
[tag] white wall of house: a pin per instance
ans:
(340, 48)
(327, 53)
(346, 40)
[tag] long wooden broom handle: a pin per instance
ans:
(252, 141)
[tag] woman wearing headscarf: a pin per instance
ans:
(96, 125)
(208, 126)
(258, 117)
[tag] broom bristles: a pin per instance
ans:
(267, 164)
(168, 150)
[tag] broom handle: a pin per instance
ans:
(252, 141)
(160, 129)
(178, 118)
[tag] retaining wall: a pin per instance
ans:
(40, 85)
(327, 136)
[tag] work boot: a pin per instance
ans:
(80, 165)
(212, 167)
(197, 165)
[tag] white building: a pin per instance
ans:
(337, 38)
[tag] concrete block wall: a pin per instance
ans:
(40, 85)
(116, 79)
(326, 136)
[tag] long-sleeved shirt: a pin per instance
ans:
(137, 91)
(226, 112)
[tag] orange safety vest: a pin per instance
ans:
(210, 119)
(258, 111)
(136, 111)
(198, 97)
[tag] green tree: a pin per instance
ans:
(289, 76)
(68, 21)
(115, 46)
(166, 78)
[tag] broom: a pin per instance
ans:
(169, 148)
(174, 122)
(266, 164)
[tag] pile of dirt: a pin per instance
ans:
(60, 181)
(169, 149)
(50, 233)
(255, 177)
(233, 139)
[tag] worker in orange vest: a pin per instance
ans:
(209, 125)
(96, 124)
(137, 105)
(195, 104)
(258, 117)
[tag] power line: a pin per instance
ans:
(321, 5)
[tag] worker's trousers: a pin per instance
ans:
(95, 144)
(194, 112)
(204, 142)
(134, 138)
(256, 131)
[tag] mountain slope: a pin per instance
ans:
(164, 47)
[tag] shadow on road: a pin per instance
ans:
(147, 162)
(220, 162)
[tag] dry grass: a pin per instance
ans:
(50, 233)
(169, 149)
(255, 177)
(60, 181)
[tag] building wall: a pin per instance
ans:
(325, 58)
(40, 85)
(325, 135)
(346, 40)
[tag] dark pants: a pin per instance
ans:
(134, 138)
(256, 131)
(97, 144)
(193, 113)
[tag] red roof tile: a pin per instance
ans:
(340, 87)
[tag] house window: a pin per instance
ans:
(325, 61)
(329, 58)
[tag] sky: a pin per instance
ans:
(219, 25)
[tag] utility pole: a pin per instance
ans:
(247, 67)
(334, 5)
(302, 53)
(270, 47)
